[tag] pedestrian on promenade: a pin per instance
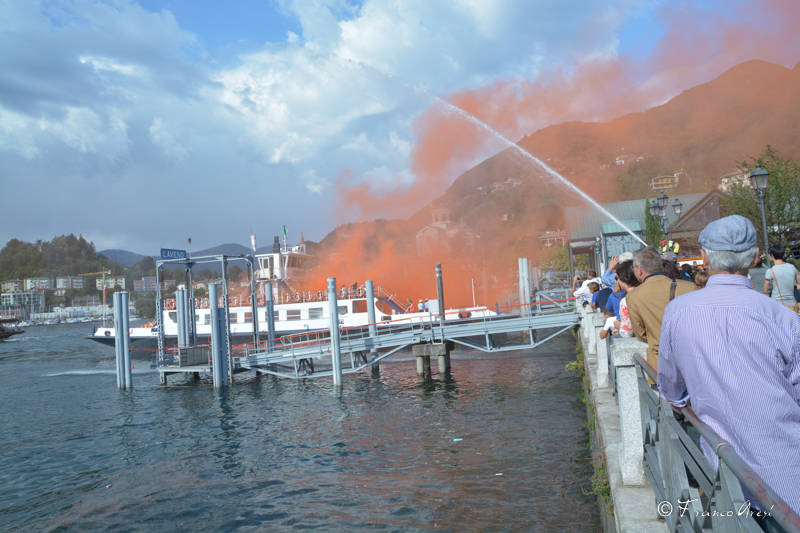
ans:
(584, 292)
(700, 278)
(609, 277)
(782, 276)
(618, 302)
(735, 355)
(646, 304)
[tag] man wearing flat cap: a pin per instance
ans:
(734, 353)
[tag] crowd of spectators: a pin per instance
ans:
(731, 352)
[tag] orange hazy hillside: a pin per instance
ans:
(705, 130)
(498, 208)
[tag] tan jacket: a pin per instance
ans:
(646, 305)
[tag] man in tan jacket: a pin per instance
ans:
(646, 304)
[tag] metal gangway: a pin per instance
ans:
(294, 356)
(538, 317)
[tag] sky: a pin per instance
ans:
(140, 124)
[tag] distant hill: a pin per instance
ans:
(702, 133)
(123, 257)
(224, 249)
(127, 258)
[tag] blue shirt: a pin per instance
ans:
(614, 301)
(736, 354)
(609, 279)
(602, 297)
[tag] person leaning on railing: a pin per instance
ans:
(646, 304)
(735, 354)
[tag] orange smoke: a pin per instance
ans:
(696, 47)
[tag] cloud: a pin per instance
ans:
(112, 105)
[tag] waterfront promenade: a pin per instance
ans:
(658, 479)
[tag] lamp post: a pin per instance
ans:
(658, 208)
(759, 178)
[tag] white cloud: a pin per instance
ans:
(112, 92)
(104, 63)
(161, 136)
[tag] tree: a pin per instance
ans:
(652, 231)
(20, 259)
(781, 201)
(557, 258)
(145, 304)
(234, 273)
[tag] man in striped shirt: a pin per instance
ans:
(735, 355)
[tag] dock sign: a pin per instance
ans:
(169, 253)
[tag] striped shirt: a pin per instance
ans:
(735, 353)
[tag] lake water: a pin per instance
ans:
(501, 447)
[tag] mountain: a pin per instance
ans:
(703, 131)
(495, 211)
(230, 248)
(702, 134)
(123, 257)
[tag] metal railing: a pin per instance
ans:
(692, 495)
(291, 351)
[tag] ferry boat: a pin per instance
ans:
(289, 318)
(293, 311)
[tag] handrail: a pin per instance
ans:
(783, 514)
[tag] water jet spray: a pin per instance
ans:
(475, 120)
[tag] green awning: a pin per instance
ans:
(613, 227)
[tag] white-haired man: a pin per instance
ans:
(735, 354)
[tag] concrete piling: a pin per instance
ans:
(336, 356)
(373, 328)
(423, 354)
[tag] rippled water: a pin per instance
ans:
(501, 447)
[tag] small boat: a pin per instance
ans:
(7, 331)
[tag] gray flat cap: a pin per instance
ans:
(733, 234)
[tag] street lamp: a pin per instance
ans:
(658, 209)
(758, 179)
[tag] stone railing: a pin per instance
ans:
(616, 367)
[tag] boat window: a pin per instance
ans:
(203, 318)
(383, 307)
(293, 314)
(248, 317)
(173, 316)
(314, 312)
(359, 306)
(233, 318)
(276, 315)
(342, 309)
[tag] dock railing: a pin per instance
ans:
(661, 444)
